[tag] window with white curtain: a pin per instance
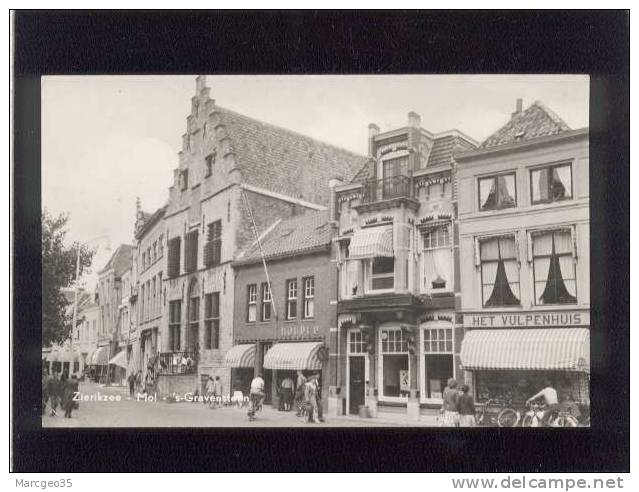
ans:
(437, 259)
(499, 271)
(497, 192)
(554, 267)
(551, 184)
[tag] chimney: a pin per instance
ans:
(518, 108)
(373, 131)
(414, 120)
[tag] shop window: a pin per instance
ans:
(382, 273)
(551, 184)
(437, 259)
(291, 299)
(554, 267)
(309, 297)
(190, 251)
(356, 342)
(213, 247)
(212, 320)
(497, 192)
(175, 316)
(252, 303)
(267, 302)
(394, 361)
(173, 269)
(499, 271)
(438, 361)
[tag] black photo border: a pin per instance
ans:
(332, 42)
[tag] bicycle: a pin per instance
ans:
(506, 416)
(534, 417)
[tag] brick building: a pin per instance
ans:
(524, 243)
(397, 340)
(229, 164)
(284, 326)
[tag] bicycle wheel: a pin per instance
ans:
(565, 421)
(507, 418)
(528, 421)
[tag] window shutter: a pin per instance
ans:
(174, 257)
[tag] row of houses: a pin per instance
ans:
(433, 257)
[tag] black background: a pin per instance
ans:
(329, 42)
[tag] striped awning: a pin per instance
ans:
(100, 357)
(565, 349)
(241, 356)
(294, 356)
(372, 243)
(119, 359)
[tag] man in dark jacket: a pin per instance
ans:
(70, 389)
(466, 408)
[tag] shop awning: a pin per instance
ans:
(564, 349)
(119, 359)
(100, 357)
(241, 356)
(294, 356)
(372, 243)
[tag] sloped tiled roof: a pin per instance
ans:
(536, 121)
(291, 236)
(440, 154)
(120, 261)
(284, 161)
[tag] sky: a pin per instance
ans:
(109, 139)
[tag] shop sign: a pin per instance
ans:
(293, 331)
(529, 320)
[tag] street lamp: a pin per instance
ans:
(77, 284)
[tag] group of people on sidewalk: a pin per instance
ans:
(304, 393)
(59, 390)
(458, 407)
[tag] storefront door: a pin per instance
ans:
(356, 383)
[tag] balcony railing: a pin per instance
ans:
(385, 189)
(177, 363)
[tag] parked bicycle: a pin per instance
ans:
(498, 412)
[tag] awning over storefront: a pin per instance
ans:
(565, 349)
(241, 356)
(119, 359)
(372, 243)
(294, 356)
(100, 357)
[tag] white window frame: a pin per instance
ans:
(380, 365)
(425, 289)
(309, 297)
(291, 295)
(267, 298)
(350, 354)
(252, 302)
(370, 276)
(433, 325)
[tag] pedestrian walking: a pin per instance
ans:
(209, 391)
(256, 396)
(131, 380)
(138, 381)
(449, 414)
(299, 392)
(466, 407)
(286, 393)
(53, 390)
(310, 398)
(217, 391)
(69, 391)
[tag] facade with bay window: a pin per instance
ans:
(524, 259)
(398, 340)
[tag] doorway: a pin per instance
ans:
(356, 383)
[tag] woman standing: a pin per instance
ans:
(466, 408)
(450, 416)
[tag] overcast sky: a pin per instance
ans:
(108, 139)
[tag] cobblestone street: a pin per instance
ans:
(133, 413)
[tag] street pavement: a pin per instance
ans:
(117, 409)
